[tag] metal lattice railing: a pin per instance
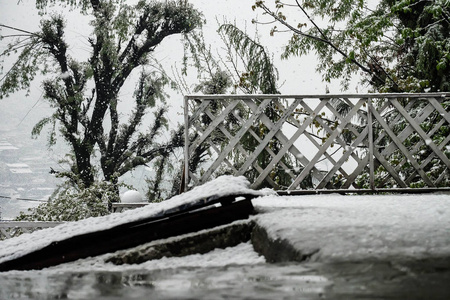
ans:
(316, 142)
(10, 229)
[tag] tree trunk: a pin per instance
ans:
(83, 165)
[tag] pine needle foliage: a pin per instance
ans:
(244, 67)
(261, 73)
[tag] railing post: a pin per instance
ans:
(184, 183)
(370, 137)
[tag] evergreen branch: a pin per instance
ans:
(379, 66)
(16, 48)
(234, 64)
(260, 71)
(233, 73)
(26, 52)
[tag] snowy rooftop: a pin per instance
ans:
(26, 243)
(360, 227)
(332, 227)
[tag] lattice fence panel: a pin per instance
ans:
(412, 142)
(291, 142)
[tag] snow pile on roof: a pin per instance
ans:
(131, 196)
(26, 243)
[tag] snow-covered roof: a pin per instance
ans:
(26, 243)
(360, 227)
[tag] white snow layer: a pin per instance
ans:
(131, 196)
(360, 227)
(26, 243)
(242, 254)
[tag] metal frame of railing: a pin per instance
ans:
(10, 229)
(380, 141)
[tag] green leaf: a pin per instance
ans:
(351, 57)
(36, 131)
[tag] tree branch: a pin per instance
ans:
(20, 30)
(324, 39)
